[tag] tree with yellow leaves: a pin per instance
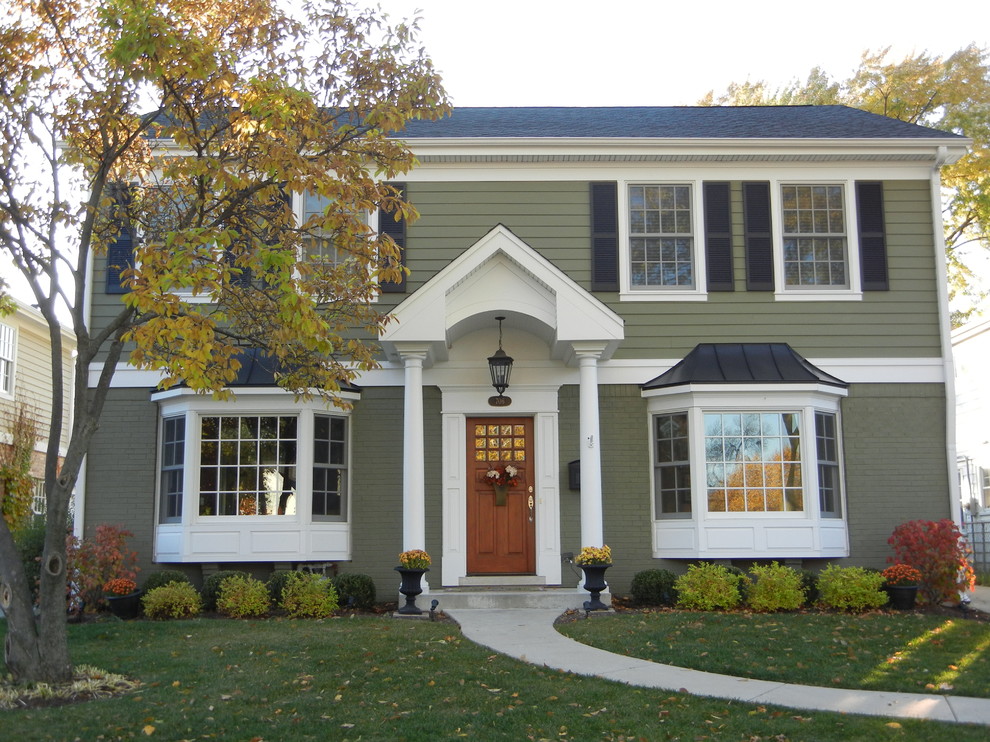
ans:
(187, 128)
(950, 93)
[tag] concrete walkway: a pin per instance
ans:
(528, 634)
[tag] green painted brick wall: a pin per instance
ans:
(120, 470)
(896, 466)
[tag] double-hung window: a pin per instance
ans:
(815, 244)
(672, 469)
(329, 468)
(661, 237)
(172, 464)
(7, 345)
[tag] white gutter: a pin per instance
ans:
(945, 328)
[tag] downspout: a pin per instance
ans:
(945, 329)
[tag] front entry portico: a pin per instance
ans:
(558, 333)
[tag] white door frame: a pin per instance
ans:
(540, 403)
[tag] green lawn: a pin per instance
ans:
(910, 652)
(385, 679)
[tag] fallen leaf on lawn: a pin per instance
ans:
(148, 730)
(893, 725)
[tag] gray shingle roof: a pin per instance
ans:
(728, 122)
(743, 363)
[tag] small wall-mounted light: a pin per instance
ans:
(500, 365)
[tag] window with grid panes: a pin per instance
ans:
(506, 443)
(6, 359)
(247, 465)
(329, 467)
(827, 442)
(753, 462)
(173, 460)
(672, 468)
(661, 236)
(814, 236)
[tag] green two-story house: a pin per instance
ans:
(728, 337)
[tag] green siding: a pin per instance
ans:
(554, 218)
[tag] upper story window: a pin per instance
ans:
(7, 346)
(815, 247)
(661, 237)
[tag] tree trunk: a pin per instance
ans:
(20, 648)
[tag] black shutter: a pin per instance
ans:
(718, 236)
(396, 229)
(759, 236)
(120, 252)
(872, 236)
(604, 236)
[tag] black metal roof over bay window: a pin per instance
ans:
(743, 363)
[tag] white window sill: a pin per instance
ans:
(818, 295)
(692, 295)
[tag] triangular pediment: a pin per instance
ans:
(502, 275)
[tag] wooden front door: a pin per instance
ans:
(501, 521)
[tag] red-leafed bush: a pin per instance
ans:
(938, 550)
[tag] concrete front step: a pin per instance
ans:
(506, 597)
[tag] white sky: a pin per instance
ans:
(667, 52)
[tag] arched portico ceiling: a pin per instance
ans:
(502, 275)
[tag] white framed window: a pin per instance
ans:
(985, 487)
(815, 242)
(319, 250)
(753, 462)
(672, 467)
(660, 239)
(747, 470)
(8, 345)
(266, 458)
(815, 247)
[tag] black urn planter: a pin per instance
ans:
(902, 597)
(125, 607)
(410, 587)
(594, 583)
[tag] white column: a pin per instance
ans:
(413, 473)
(592, 529)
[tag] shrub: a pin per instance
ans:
(276, 584)
(851, 588)
(777, 588)
(708, 587)
(95, 561)
(211, 586)
(308, 596)
(242, 597)
(654, 587)
(174, 600)
(937, 550)
(355, 590)
(164, 577)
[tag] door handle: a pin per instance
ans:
(531, 503)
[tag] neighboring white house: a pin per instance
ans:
(26, 381)
(971, 353)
